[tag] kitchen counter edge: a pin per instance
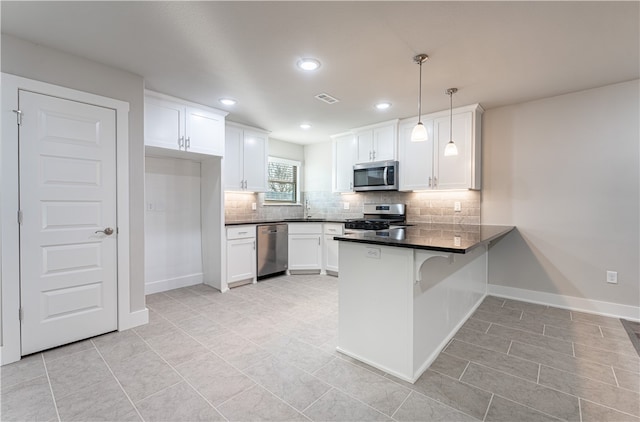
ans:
(492, 232)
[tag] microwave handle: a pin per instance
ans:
(384, 175)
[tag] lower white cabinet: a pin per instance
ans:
(305, 247)
(241, 254)
(330, 253)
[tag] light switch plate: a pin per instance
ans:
(612, 277)
(254, 206)
(346, 205)
(456, 206)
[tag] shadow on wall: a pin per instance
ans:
(515, 261)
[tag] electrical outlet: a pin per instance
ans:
(457, 207)
(612, 277)
(254, 206)
(346, 205)
(456, 240)
(150, 206)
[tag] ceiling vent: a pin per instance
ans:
(327, 98)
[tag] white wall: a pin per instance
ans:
(172, 230)
(23, 58)
(565, 171)
(317, 167)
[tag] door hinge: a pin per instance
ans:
(20, 217)
(18, 116)
(20, 314)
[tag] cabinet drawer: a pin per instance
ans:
(334, 229)
(305, 228)
(241, 232)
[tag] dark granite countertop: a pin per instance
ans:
(286, 220)
(455, 238)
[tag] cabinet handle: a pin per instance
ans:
(254, 245)
(350, 185)
(435, 182)
(370, 156)
(243, 232)
(318, 241)
(374, 154)
(180, 141)
(188, 142)
(429, 181)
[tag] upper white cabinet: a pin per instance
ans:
(173, 127)
(344, 157)
(423, 165)
(361, 145)
(246, 155)
(377, 142)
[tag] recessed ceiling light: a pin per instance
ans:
(228, 101)
(308, 64)
(383, 105)
(305, 126)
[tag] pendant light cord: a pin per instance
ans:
(450, 115)
(420, 95)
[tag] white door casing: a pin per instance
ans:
(10, 350)
(68, 253)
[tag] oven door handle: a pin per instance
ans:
(384, 175)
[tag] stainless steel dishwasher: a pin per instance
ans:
(273, 249)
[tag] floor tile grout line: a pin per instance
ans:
(118, 381)
(242, 371)
(610, 408)
(401, 404)
(580, 409)
(615, 377)
(509, 348)
(181, 376)
(486, 412)
(538, 377)
(463, 371)
(318, 399)
(53, 396)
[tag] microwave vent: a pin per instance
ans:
(327, 98)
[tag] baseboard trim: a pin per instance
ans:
(134, 319)
(158, 286)
(572, 303)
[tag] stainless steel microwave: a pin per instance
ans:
(379, 175)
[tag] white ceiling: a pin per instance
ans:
(495, 53)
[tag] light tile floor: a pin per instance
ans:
(267, 352)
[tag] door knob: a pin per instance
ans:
(108, 231)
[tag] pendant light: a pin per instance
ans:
(451, 149)
(419, 133)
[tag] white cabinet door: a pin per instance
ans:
(454, 172)
(163, 124)
(204, 132)
(330, 253)
(344, 157)
(255, 161)
(364, 145)
(305, 252)
(241, 259)
(233, 158)
(384, 143)
(415, 158)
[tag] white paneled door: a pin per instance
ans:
(68, 251)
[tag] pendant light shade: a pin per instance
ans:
(419, 133)
(451, 149)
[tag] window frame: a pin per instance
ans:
(290, 162)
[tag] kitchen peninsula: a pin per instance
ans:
(404, 292)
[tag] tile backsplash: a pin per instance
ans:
(422, 207)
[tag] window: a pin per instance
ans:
(284, 176)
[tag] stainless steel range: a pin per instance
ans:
(378, 217)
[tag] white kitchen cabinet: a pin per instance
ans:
(241, 254)
(330, 249)
(415, 168)
(305, 247)
(344, 157)
(423, 165)
(176, 126)
(376, 142)
(246, 159)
